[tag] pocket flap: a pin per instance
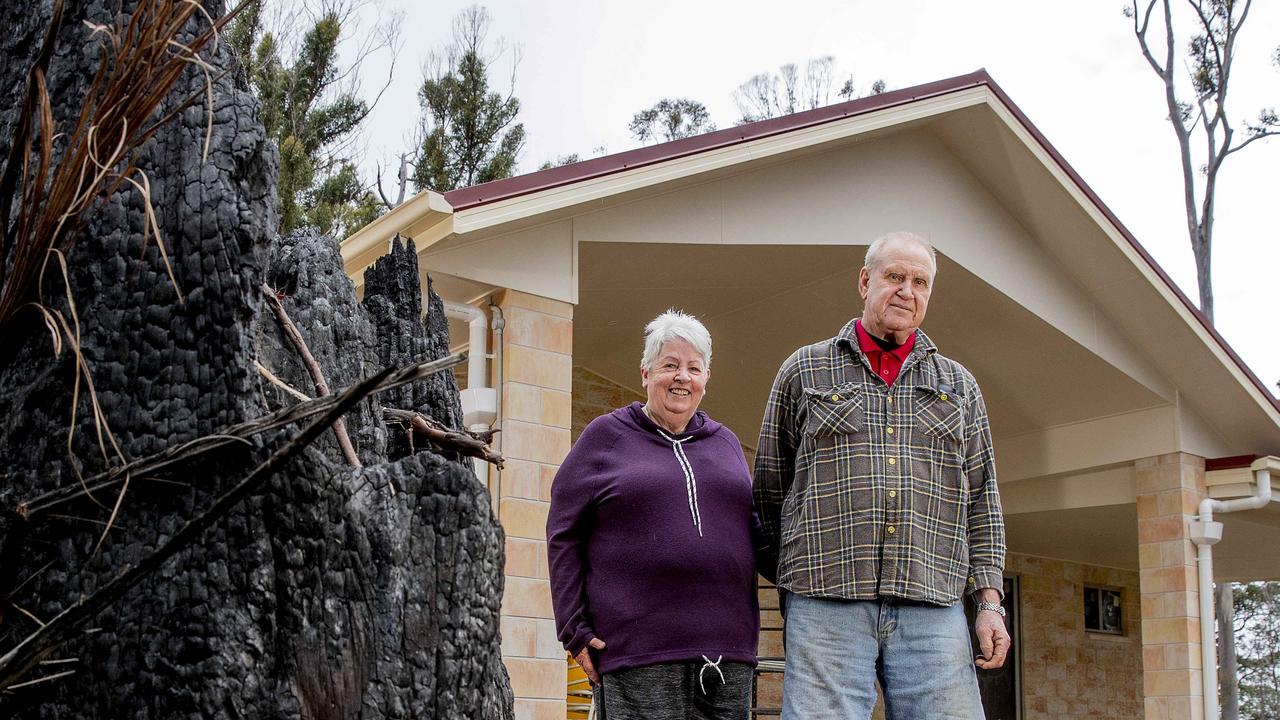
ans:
(939, 412)
(833, 411)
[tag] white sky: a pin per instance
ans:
(1073, 67)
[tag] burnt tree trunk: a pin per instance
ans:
(334, 593)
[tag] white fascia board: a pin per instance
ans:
(1122, 243)
(1239, 482)
(422, 217)
(597, 189)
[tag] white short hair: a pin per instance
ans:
(877, 245)
(675, 325)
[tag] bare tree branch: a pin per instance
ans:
(313, 367)
(463, 443)
(174, 456)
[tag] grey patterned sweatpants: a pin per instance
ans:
(676, 691)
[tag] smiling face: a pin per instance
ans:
(675, 384)
(896, 291)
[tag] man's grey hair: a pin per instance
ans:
(675, 325)
(877, 247)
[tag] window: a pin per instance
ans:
(1102, 610)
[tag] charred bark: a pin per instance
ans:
(322, 596)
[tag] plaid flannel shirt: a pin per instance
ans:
(866, 490)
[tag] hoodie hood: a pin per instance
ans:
(700, 425)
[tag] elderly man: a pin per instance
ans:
(875, 482)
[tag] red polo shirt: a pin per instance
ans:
(886, 363)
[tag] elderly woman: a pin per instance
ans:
(650, 545)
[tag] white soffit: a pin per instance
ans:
(540, 261)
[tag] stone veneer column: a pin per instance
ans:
(536, 409)
(1169, 489)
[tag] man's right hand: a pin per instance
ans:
(584, 659)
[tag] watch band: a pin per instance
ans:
(996, 608)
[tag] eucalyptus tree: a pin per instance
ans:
(1197, 106)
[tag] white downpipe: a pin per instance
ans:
(1205, 532)
(478, 340)
(499, 325)
(477, 378)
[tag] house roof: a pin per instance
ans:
(490, 192)
(477, 196)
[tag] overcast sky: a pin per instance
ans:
(1073, 67)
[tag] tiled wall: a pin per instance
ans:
(537, 368)
(1069, 673)
(594, 396)
(1169, 489)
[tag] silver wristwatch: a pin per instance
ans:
(996, 608)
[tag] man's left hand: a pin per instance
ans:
(993, 640)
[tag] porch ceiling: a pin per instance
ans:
(762, 302)
(1104, 535)
(1108, 535)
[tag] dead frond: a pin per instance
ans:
(58, 179)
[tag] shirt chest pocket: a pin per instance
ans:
(833, 412)
(938, 413)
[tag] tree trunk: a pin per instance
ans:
(327, 595)
(1228, 681)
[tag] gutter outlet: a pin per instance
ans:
(1205, 533)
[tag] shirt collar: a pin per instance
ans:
(868, 344)
(848, 335)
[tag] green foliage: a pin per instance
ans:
(671, 119)
(470, 133)
(310, 118)
(1257, 622)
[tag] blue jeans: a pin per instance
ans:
(837, 649)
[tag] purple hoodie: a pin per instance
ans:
(650, 543)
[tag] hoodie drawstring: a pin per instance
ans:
(714, 666)
(690, 482)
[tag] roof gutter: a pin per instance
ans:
(1205, 533)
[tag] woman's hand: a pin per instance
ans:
(584, 659)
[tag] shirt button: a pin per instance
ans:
(889, 430)
(894, 494)
(890, 530)
(884, 372)
(893, 461)
(943, 396)
(889, 400)
(836, 398)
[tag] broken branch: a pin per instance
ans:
(313, 367)
(240, 433)
(462, 443)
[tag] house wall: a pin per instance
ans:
(1068, 673)
(594, 395)
(537, 357)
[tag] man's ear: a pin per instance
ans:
(864, 282)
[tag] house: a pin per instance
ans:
(1115, 407)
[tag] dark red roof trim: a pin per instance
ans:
(1229, 463)
(485, 193)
